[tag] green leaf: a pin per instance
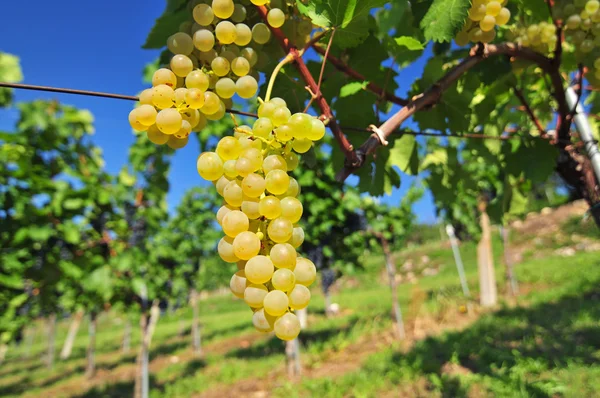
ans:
(168, 23)
(438, 157)
(404, 154)
(409, 42)
(444, 19)
(73, 203)
(352, 88)
(126, 179)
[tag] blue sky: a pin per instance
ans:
(96, 45)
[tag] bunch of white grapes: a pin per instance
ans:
(212, 61)
(259, 218)
(484, 16)
(541, 37)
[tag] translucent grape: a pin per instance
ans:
(250, 54)
(301, 124)
(262, 127)
(235, 222)
(220, 66)
(168, 121)
(164, 76)
(287, 327)
(277, 181)
(209, 165)
(276, 17)
(250, 207)
(487, 37)
(244, 166)
(292, 160)
(274, 162)
(146, 115)
(218, 115)
(207, 56)
(270, 207)
(259, 269)
(238, 284)
(146, 97)
(283, 255)
(224, 210)
(259, 2)
(184, 131)
(225, 249)
(255, 294)
(233, 194)
(156, 136)
(503, 17)
(239, 13)
(246, 245)
(163, 96)
(262, 321)
(201, 122)
(228, 148)
(297, 237)
(280, 230)
(278, 102)
(592, 6)
(180, 43)
(225, 87)
(229, 169)
(301, 145)
(225, 32)
(204, 40)
(249, 142)
(291, 208)
(284, 133)
(281, 115)
(223, 8)
(487, 23)
(276, 303)
(493, 8)
(179, 96)
(305, 272)
(261, 33)
(211, 103)
(203, 14)
(476, 13)
(299, 297)
(194, 97)
(246, 86)
(283, 279)
(253, 185)
(243, 34)
(240, 66)
(181, 65)
(573, 22)
(255, 157)
(317, 131)
(176, 143)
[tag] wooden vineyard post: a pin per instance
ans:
(67, 348)
(459, 265)
(485, 261)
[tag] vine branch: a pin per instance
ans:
(529, 111)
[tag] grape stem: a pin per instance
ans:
(323, 63)
(288, 58)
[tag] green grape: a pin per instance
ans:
(262, 127)
(297, 237)
(266, 110)
(250, 54)
(261, 33)
(287, 327)
(255, 157)
(247, 141)
(291, 208)
(493, 8)
(186, 26)
(180, 43)
(283, 255)
(220, 66)
(243, 34)
(253, 185)
(192, 116)
(239, 13)
(233, 194)
(164, 76)
(234, 222)
(238, 284)
(218, 115)
(179, 96)
(276, 303)
(262, 321)
(228, 148)
(277, 182)
(203, 14)
(250, 207)
(243, 166)
(305, 271)
(211, 103)
(204, 40)
(276, 17)
(184, 131)
(246, 245)
(278, 102)
(156, 136)
(270, 207)
(229, 169)
(259, 269)
(226, 32)
(176, 143)
(240, 66)
(168, 121)
(225, 87)
(280, 230)
(462, 38)
(284, 133)
(292, 160)
(280, 116)
(220, 184)
(246, 86)
(228, 55)
(283, 279)
(592, 6)
(223, 210)
(197, 79)
(146, 115)
(209, 165)
(487, 23)
(573, 22)
(301, 124)
(145, 97)
(503, 17)
(223, 8)
(255, 294)
(301, 145)
(299, 297)
(476, 13)
(163, 96)
(225, 249)
(181, 65)
(195, 98)
(317, 131)
(274, 162)
(207, 57)
(586, 46)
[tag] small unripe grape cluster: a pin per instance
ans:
(484, 16)
(250, 171)
(541, 37)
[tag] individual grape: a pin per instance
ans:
(291, 160)
(274, 162)
(262, 321)
(573, 21)
(238, 284)
(261, 33)
(250, 207)
(280, 230)
(262, 127)
(180, 43)
(225, 87)
(211, 103)
(281, 115)
(235, 222)
(209, 165)
(301, 145)
(181, 65)
(227, 54)
(277, 181)
(250, 54)
(194, 97)
(244, 166)
(255, 157)
(493, 8)
(276, 17)
(249, 142)
(204, 40)
(266, 109)
(317, 131)
(487, 37)
(179, 96)
(233, 193)
(259, 2)
(276, 303)
(176, 143)
(220, 66)
(163, 96)
(220, 184)
(301, 124)
(283, 279)
(184, 131)
(228, 148)
(223, 8)
(226, 32)
(305, 272)
(156, 136)
(164, 76)
(587, 46)
(168, 121)
(292, 191)
(259, 269)
(246, 86)
(240, 66)
(592, 6)
(243, 34)
(278, 102)
(246, 245)
(218, 115)
(223, 211)
(270, 207)
(255, 294)
(487, 23)
(146, 97)
(287, 327)
(477, 12)
(203, 14)
(297, 237)
(253, 185)
(299, 296)
(283, 255)
(225, 249)
(284, 133)
(229, 169)
(291, 208)
(207, 56)
(503, 17)
(134, 121)
(146, 115)
(239, 13)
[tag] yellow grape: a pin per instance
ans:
(284, 133)
(259, 269)
(225, 249)
(283, 279)
(235, 222)
(299, 297)
(192, 116)
(243, 34)
(233, 193)
(223, 8)
(270, 207)
(169, 121)
(225, 87)
(179, 96)
(280, 230)
(259, 2)
(255, 157)
(301, 123)
(246, 86)
(261, 33)
(276, 303)
(244, 166)
(292, 160)
(220, 66)
(184, 131)
(287, 327)
(291, 208)
(203, 14)
(250, 54)
(240, 66)
(301, 145)
(317, 131)
(146, 115)
(225, 32)
(266, 110)
(163, 96)
(262, 321)
(246, 245)
(477, 12)
(297, 237)
(305, 271)
(156, 136)
(229, 169)
(503, 17)
(249, 142)
(250, 207)
(255, 294)
(164, 76)
(194, 98)
(181, 65)
(180, 43)
(277, 181)
(262, 127)
(293, 189)
(487, 23)
(228, 148)
(276, 17)
(238, 284)
(197, 79)
(204, 40)
(274, 162)
(218, 115)
(211, 103)
(146, 97)
(279, 102)
(220, 184)
(210, 166)
(493, 8)
(281, 116)
(253, 185)
(206, 57)
(224, 210)
(283, 255)
(176, 143)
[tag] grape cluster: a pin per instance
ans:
(214, 54)
(541, 37)
(484, 16)
(251, 172)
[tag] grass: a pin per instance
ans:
(547, 344)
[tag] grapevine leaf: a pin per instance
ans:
(352, 88)
(409, 42)
(444, 19)
(175, 13)
(438, 157)
(404, 154)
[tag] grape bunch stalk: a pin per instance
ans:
(251, 172)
